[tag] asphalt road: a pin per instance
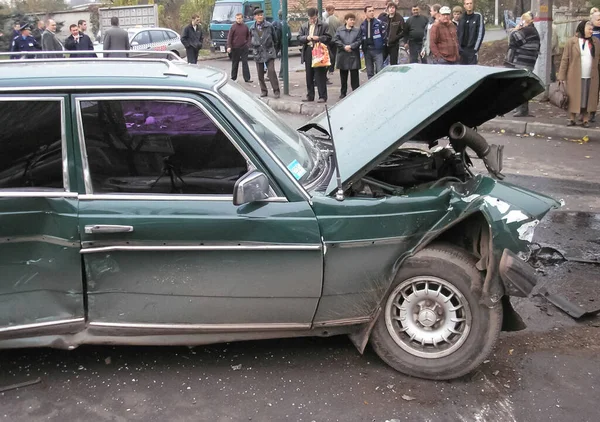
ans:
(549, 372)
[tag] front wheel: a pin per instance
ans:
(432, 324)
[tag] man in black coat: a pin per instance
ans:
(38, 31)
(395, 31)
(310, 33)
(192, 39)
(78, 41)
(414, 32)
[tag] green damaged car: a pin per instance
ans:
(150, 202)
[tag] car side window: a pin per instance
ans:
(142, 38)
(158, 146)
(31, 145)
(171, 35)
(157, 36)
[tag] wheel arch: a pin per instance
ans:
(471, 233)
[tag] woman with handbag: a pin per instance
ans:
(579, 69)
(348, 40)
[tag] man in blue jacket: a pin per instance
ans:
(471, 30)
(373, 35)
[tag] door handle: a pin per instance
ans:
(107, 228)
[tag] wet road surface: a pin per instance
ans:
(549, 372)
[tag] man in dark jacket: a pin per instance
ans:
(264, 39)
(414, 31)
(192, 39)
(471, 30)
(38, 31)
(78, 41)
(394, 23)
(238, 41)
(374, 35)
(310, 33)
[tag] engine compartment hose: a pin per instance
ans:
(469, 138)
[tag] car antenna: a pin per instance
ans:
(339, 195)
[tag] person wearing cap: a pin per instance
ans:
(24, 42)
(443, 42)
(471, 30)
(264, 38)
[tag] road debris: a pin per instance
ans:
(563, 304)
(20, 385)
(495, 373)
(236, 367)
(407, 398)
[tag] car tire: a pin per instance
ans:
(453, 348)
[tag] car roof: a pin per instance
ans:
(145, 28)
(72, 74)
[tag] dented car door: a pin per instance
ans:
(165, 249)
(41, 290)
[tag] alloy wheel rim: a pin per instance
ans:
(428, 317)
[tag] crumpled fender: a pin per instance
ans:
(511, 213)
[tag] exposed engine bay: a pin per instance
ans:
(409, 168)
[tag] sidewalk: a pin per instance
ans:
(548, 121)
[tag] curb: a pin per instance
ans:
(510, 126)
(542, 129)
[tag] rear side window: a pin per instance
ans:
(171, 35)
(157, 146)
(31, 145)
(157, 36)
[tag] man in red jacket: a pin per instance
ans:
(443, 41)
(238, 42)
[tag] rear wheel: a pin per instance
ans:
(432, 324)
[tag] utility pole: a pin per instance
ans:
(496, 13)
(542, 10)
(285, 48)
(320, 8)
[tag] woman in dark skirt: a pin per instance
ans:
(348, 40)
(579, 70)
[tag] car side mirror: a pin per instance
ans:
(251, 187)
(134, 43)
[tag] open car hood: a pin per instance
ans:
(418, 103)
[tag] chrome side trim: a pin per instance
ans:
(203, 327)
(168, 197)
(203, 248)
(40, 194)
(41, 325)
(63, 127)
(129, 97)
(341, 322)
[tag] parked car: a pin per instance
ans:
(152, 39)
(158, 203)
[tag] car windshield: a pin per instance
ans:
(225, 12)
(293, 149)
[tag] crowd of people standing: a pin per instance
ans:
(448, 36)
(43, 38)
